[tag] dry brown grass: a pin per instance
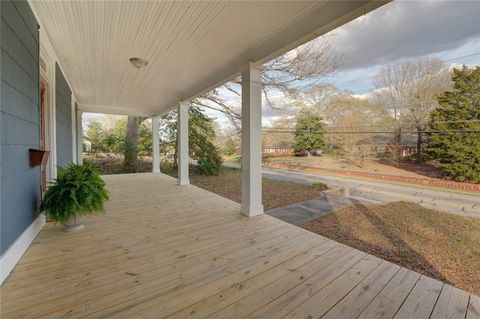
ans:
(108, 164)
(275, 193)
(437, 244)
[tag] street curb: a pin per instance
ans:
(381, 177)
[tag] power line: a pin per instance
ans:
(293, 130)
(461, 57)
(373, 132)
(385, 125)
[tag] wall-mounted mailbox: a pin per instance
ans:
(38, 157)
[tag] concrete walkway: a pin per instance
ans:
(300, 213)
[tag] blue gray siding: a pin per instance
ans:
(19, 120)
(63, 113)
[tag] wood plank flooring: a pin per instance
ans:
(165, 251)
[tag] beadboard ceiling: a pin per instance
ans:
(191, 46)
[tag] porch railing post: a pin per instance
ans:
(182, 147)
(252, 141)
(155, 145)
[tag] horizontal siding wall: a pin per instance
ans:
(63, 113)
(19, 120)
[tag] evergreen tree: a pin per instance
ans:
(201, 137)
(308, 133)
(96, 135)
(458, 153)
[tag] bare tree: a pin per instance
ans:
(408, 90)
(433, 80)
(352, 120)
(279, 133)
(289, 74)
(318, 99)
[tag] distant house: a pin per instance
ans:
(276, 150)
(87, 146)
(271, 150)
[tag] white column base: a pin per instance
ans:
(252, 211)
(183, 182)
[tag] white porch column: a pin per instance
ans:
(79, 136)
(155, 145)
(251, 141)
(182, 131)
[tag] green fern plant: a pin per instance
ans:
(78, 190)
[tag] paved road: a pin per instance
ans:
(381, 192)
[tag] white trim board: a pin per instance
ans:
(73, 119)
(13, 254)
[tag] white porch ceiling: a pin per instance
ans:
(191, 46)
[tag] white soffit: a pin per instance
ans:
(191, 46)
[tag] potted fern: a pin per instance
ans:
(77, 191)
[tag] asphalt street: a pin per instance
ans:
(368, 191)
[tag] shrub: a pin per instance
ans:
(78, 190)
(208, 167)
(168, 168)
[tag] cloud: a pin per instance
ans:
(397, 31)
(407, 29)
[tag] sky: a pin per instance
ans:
(400, 30)
(448, 30)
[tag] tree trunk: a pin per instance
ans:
(131, 144)
(419, 145)
(175, 153)
(399, 146)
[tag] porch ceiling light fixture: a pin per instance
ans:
(139, 63)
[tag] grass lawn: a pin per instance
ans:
(232, 158)
(275, 193)
(369, 166)
(437, 244)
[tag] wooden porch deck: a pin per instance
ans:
(181, 252)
